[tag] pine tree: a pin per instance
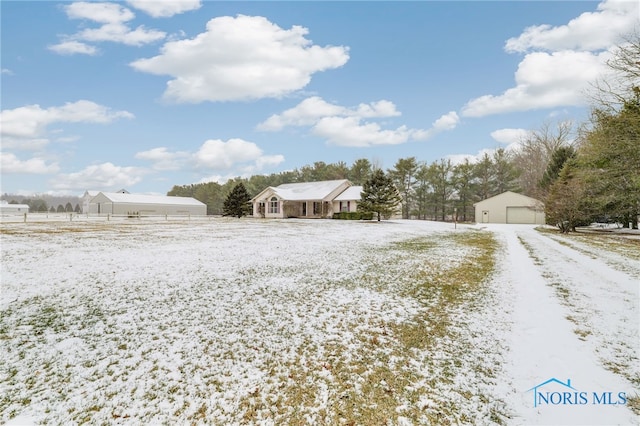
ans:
(379, 195)
(558, 159)
(237, 202)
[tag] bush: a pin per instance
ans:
(353, 216)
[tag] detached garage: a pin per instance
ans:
(510, 207)
(116, 203)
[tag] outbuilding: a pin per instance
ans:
(510, 207)
(13, 209)
(117, 203)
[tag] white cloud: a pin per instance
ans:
(6, 71)
(73, 47)
(353, 126)
(216, 154)
(350, 131)
(163, 159)
(99, 176)
(12, 164)
(590, 31)
(448, 121)
(471, 158)
(121, 33)
(29, 123)
(114, 28)
(104, 13)
(241, 58)
(561, 62)
(510, 136)
(311, 110)
(165, 8)
(234, 156)
(544, 80)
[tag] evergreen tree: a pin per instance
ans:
(462, 179)
(237, 202)
(360, 171)
(379, 195)
(403, 175)
(504, 172)
(558, 159)
(60, 208)
(564, 207)
(68, 207)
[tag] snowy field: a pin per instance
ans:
(225, 322)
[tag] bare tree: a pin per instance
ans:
(610, 92)
(534, 153)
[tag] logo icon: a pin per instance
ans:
(557, 392)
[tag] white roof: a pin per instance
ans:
(308, 190)
(351, 193)
(118, 197)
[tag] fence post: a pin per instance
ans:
(108, 217)
(25, 218)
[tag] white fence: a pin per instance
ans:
(81, 217)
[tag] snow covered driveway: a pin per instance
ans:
(574, 313)
(313, 322)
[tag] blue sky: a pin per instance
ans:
(145, 94)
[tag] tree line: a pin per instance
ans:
(40, 205)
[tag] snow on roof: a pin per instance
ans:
(351, 193)
(118, 197)
(308, 190)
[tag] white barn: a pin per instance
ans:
(13, 209)
(118, 203)
(510, 207)
(88, 196)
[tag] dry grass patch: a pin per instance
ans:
(393, 372)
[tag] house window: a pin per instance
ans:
(274, 205)
(345, 206)
(317, 208)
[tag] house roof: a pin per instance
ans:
(350, 194)
(308, 190)
(118, 197)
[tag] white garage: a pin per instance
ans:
(510, 207)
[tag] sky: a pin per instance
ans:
(145, 95)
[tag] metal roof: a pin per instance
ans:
(118, 197)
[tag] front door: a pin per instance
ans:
(304, 208)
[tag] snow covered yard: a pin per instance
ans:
(302, 322)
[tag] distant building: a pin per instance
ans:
(123, 203)
(88, 195)
(510, 207)
(13, 209)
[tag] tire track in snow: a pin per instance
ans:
(542, 341)
(603, 300)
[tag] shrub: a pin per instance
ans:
(353, 215)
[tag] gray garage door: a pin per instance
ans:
(521, 215)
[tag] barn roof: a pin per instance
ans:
(118, 197)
